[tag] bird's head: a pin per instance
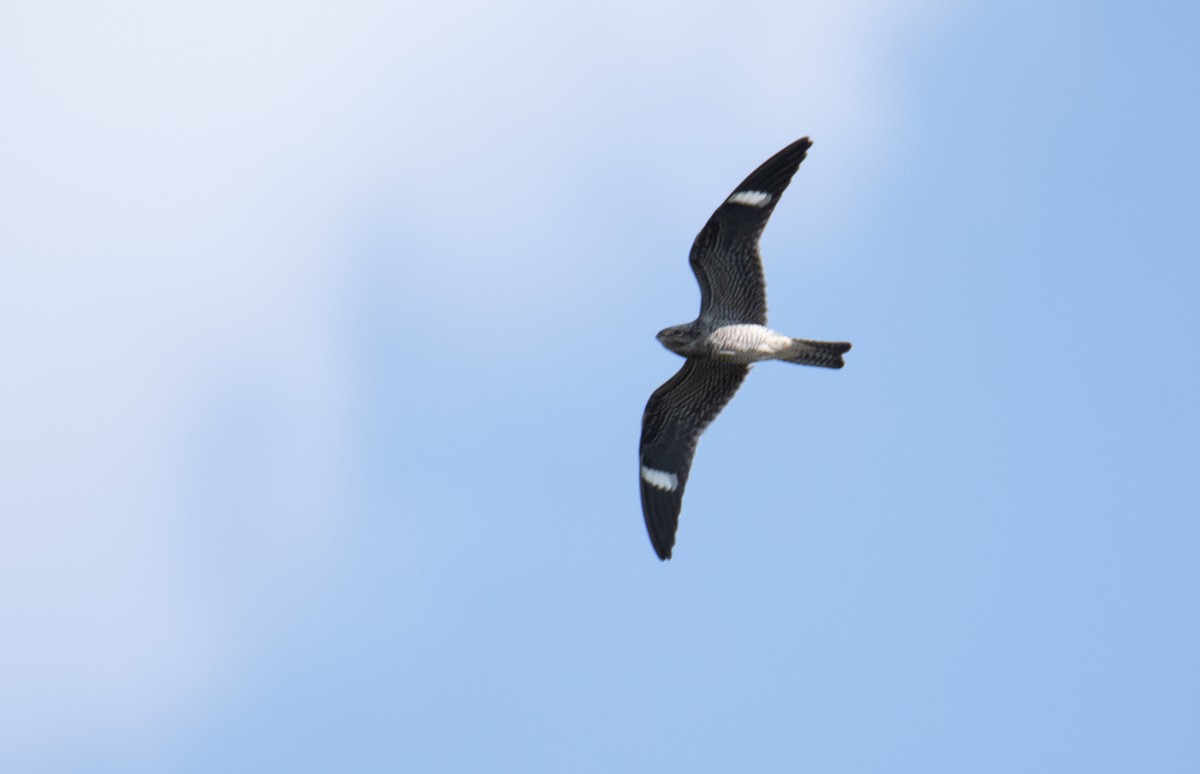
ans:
(678, 338)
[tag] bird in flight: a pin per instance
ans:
(730, 334)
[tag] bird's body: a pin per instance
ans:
(743, 343)
(720, 344)
(746, 343)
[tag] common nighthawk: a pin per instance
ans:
(721, 343)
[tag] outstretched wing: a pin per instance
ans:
(675, 416)
(725, 255)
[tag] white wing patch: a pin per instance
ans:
(660, 479)
(751, 198)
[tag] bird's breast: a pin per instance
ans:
(746, 343)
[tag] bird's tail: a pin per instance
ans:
(827, 354)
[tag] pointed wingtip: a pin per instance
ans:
(663, 541)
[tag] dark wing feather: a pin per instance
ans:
(725, 254)
(675, 416)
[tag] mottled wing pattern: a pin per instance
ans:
(725, 254)
(675, 416)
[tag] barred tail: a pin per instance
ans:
(827, 354)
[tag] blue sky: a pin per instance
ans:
(327, 331)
